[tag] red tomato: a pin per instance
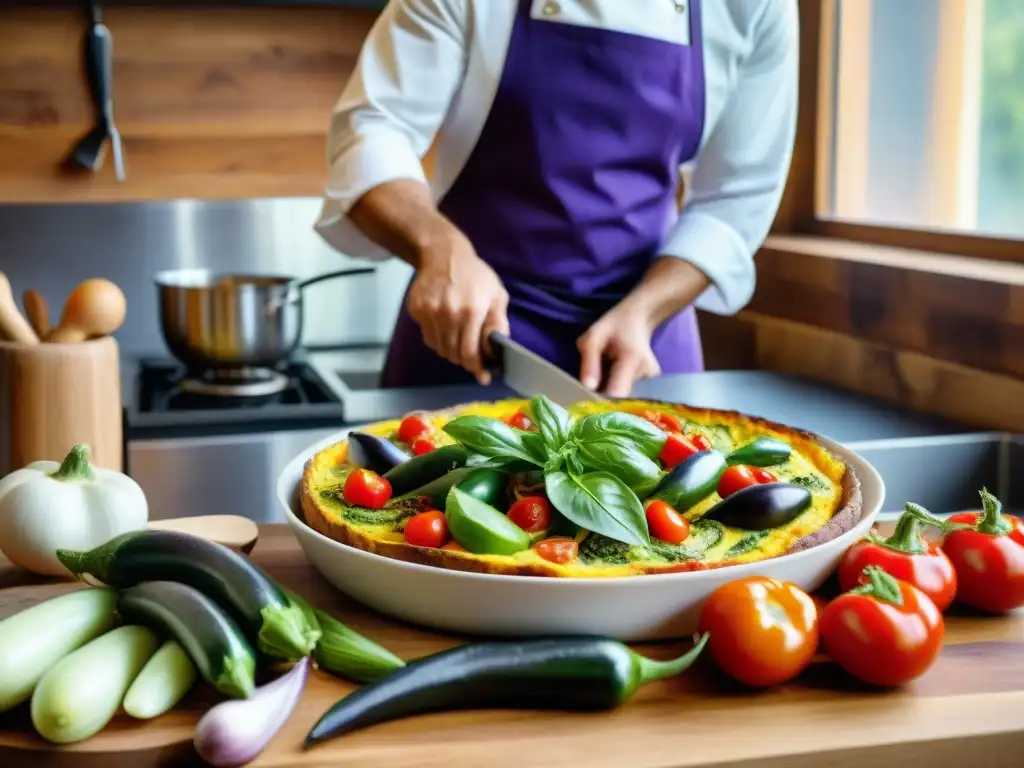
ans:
(414, 425)
(763, 475)
(905, 556)
(422, 445)
(665, 523)
(427, 529)
(520, 420)
(676, 450)
(557, 549)
(364, 488)
(886, 632)
(763, 631)
(531, 513)
(662, 420)
(702, 443)
(736, 479)
(988, 558)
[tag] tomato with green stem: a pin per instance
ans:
(884, 632)
(763, 631)
(905, 555)
(364, 488)
(987, 552)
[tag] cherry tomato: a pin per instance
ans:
(422, 445)
(557, 549)
(364, 488)
(531, 513)
(702, 443)
(414, 425)
(427, 529)
(988, 558)
(763, 631)
(665, 523)
(763, 475)
(886, 632)
(662, 420)
(676, 450)
(520, 420)
(736, 479)
(906, 556)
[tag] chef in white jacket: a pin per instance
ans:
(561, 127)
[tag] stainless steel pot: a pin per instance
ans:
(212, 321)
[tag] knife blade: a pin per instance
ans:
(530, 375)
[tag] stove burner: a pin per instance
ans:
(236, 382)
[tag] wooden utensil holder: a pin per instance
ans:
(53, 396)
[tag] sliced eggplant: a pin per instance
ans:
(691, 481)
(376, 454)
(761, 507)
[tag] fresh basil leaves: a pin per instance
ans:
(601, 503)
(600, 426)
(495, 439)
(595, 469)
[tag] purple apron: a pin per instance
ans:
(571, 187)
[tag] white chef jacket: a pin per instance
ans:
(429, 70)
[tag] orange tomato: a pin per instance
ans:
(665, 523)
(763, 631)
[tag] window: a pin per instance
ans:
(923, 107)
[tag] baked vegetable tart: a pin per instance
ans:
(601, 489)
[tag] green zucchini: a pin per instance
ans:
(422, 469)
(481, 528)
(748, 543)
(487, 485)
(210, 638)
(762, 452)
(692, 481)
(167, 676)
(256, 603)
(704, 534)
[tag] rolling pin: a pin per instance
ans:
(95, 308)
(13, 325)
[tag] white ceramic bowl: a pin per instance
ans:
(632, 608)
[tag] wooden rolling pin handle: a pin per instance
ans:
(13, 325)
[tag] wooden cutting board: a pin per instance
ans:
(967, 711)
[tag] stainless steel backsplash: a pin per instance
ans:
(53, 247)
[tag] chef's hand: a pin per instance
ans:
(623, 338)
(458, 300)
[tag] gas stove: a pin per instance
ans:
(163, 399)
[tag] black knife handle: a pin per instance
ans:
(99, 60)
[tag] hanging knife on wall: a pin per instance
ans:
(99, 49)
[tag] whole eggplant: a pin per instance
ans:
(691, 481)
(760, 507)
(374, 453)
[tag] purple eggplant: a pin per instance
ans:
(761, 507)
(374, 453)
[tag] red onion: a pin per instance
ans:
(235, 731)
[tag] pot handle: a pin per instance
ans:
(302, 285)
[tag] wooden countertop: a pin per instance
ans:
(968, 710)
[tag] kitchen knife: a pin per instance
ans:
(530, 374)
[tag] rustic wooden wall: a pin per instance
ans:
(210, 102)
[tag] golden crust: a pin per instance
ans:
(848, 510)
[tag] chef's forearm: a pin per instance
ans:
(669, 286)
(401, 216)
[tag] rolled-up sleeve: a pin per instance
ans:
(408, 71)
(740, 173)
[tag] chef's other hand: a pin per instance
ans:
(458, 300)
(623, 337)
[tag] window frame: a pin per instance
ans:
(808, 190)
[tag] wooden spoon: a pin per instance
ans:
(13, 325)
(95, 308)
(38, 312)
(233, 531)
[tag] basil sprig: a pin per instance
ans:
(595, 469)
